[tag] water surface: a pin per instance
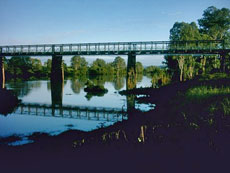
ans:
(53, 109)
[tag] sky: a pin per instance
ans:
(83, 21)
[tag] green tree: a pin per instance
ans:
(182, 66)
(36, 67)
(215, 23)
(47, 67)
(99, 67)
(119, 66)
(184, 31)
(79, 65)
(20, 67)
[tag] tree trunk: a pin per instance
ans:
(181, 66)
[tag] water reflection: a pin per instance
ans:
(57, 93)
(73, 112)
(62, 101)
(119, 82)
(23, 88)
(77, 84)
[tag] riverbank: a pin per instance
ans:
(188, 131)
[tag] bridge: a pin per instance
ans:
(73, 112)
(194, 47)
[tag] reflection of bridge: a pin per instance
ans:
(73, 112)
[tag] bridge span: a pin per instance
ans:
(131, 49)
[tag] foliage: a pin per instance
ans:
(119, 66)
(94, 90)
(215, 24)
(24, 67)
(159, 76)
(79, 65)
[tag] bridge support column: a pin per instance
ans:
(131, 72)
(57, 70)
(2, 73)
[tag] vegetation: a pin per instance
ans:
(27, 67)
(214, 25)
(94, 90)
(159, 76)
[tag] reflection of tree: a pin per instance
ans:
(48, 85)
(119, 82)
(131, 79)
(139, 77)
(77, 84)
(90, 95)
(23, 88)
(101, 79)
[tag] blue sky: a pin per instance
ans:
(79, 21)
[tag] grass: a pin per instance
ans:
(203, 92)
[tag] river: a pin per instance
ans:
(54, 109)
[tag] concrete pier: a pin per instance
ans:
(57, 70)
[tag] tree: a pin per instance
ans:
(47, 67)
(182, 31)
(119, 65)
(99, 67)
(215, 23)
(79, 65)
(36, 67)
(20, 66)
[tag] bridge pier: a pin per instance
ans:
(57, 70)
(2, 73)
(131, 78)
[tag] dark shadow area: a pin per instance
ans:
(8, 101)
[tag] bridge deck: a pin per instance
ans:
(118, 48)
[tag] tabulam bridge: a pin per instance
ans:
(131, 49)
(73, 112)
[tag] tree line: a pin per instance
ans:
(27, 67)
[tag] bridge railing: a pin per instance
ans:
(115, 47)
